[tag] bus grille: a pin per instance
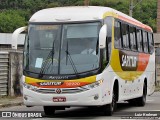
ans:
(63, 90)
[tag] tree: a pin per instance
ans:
(145, 12)
(9, 22)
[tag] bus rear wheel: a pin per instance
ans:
(49, 110)
(141, 101)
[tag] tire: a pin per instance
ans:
(132, 102)
(49, 110)
(110, 108)
(142, 100)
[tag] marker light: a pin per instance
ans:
(30, 87)
(93, 85)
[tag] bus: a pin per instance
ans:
(57, 75)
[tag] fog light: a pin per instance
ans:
(96, 97)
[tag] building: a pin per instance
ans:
(6, 41)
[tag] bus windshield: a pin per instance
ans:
(62, 49)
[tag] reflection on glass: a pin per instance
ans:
(46, 46)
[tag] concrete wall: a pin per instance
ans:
(15, 63)
(16, 71)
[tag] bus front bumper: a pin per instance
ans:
(92, 97)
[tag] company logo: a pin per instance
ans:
(6, 114)
(50, 83)
(128, 60)
(58, 91)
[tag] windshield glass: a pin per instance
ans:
(62, 49)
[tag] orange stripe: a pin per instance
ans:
(143, 60)
(135, 23)
(64, 85)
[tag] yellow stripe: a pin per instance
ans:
(87, 79)
(112, 34)
(115, 61)
(110, 14)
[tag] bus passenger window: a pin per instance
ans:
(108, 21)
(151, 43)
(139, 40)
(145, 42)
(117, 35)
(125, 36)
(133, 38)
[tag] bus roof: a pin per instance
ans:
(81, 13)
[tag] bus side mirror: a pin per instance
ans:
(15, 36)
(102, 36)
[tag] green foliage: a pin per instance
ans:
(79, 3)
(10, 20)
(119, 5)
(98, 2)
(146, 12)
(51, 5)
(16, 13)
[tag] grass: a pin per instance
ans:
(7, 97)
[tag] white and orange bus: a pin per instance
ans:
(58, 75)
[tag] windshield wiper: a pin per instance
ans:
(71, 61)
(46, 64)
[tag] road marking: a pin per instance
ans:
(150, 100)
(149, 110)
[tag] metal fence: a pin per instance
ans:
(4, 70)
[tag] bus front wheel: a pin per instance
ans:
(49, 110)
(110, 108)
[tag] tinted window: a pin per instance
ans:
(108, 21)
(139, 40)
(151, 44)
(117, 35)
(133, 42)
(125, 36)
(145, 41)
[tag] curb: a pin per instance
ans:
(11, 104)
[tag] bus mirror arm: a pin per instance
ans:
(102, 36)
(15, 36)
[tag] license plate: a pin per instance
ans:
(59, 99)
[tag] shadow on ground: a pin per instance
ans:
(88, 112)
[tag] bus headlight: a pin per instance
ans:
(30, 87)
(93, 85)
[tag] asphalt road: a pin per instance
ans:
(123, 109)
